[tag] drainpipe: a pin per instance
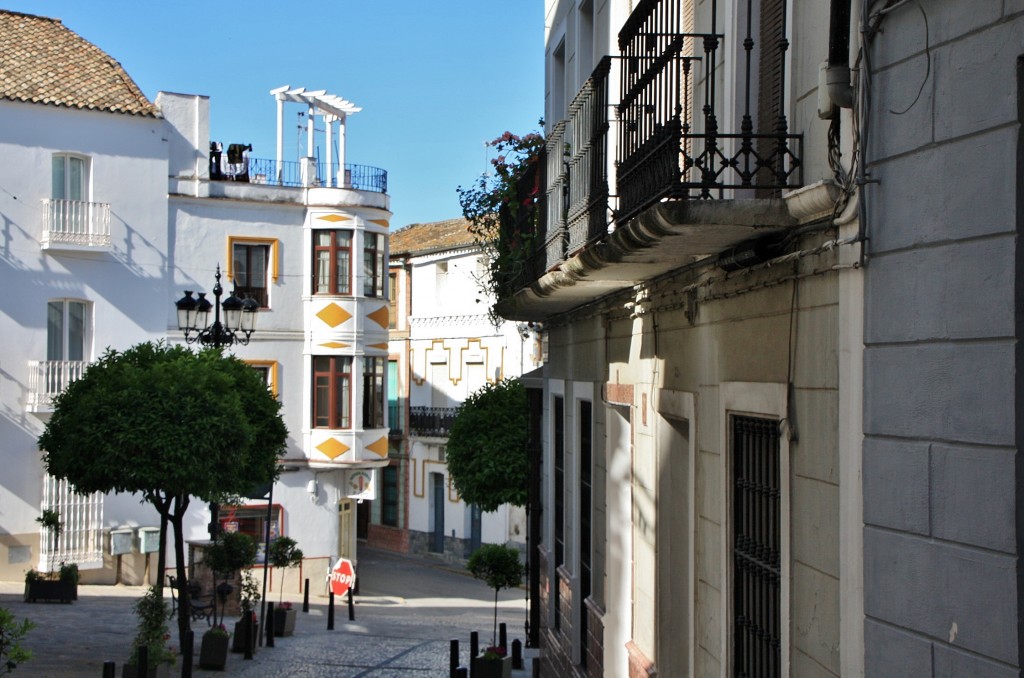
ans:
(837, 74)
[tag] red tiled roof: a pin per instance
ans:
(436, 236)
(43, 62)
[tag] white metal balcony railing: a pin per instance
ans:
(81, 535)
(47, 378)
(75, 223)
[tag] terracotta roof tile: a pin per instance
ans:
(436, 236)
(43, 62)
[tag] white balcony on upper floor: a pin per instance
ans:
(47, 379)
(75, 225)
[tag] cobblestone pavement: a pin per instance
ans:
(407, 612)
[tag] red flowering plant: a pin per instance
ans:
(494, 652)
(152, 611)
(500, 208)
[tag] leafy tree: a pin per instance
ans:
(497, 565)
(169, 424)
(486, 454)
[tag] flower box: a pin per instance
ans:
(498, 667)
(162, 670)
(50, 589)
(284, 621)
(213, 653)
(242, 634)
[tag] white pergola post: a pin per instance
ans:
(329, 127)
(341, 153)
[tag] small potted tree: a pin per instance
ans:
(284, 553)
(59, 584)
(229, 553)
(152, 611)
(245, 627)
(497, 565)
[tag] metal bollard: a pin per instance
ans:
(305, 597)
(517, 654)
(461, 672)
(188, 646)
(351, 606)
(503, 637)
(474, 648)
(536, 667)
(142, 667)
(453, 657)
(109, 669)
(270, 622)
(330, 611)
(250, 635)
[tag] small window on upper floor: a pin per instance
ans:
(332, 262)
(374, 269)
(70, 177)
(249, 268)
(393, 299)
(67, 328)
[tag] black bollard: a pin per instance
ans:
(271, 623)
(461, 672)
(109, 669)
(188, 646)
(330, 611)
(503, 637)
(250, 634)
(474, 648)
(305, 597)
(536, 667)
(351, 606)
(517, 654)
(453, 658)
(142, 667)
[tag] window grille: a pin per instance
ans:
(81, 517)
(756, 548)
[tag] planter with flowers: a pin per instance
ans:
(152, 635)
(497, 565)
(245, 627)
(61, 585)
(229, 553)
(284, 553)
(213, 653)
(492, 663)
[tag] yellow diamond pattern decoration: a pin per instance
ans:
(380, 222)
(334, 217)
(380, 316)
(379, 347)
(380, 447)
(334, 344)
(334, 315)
(333, 449)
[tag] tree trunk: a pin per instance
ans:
(184, 599)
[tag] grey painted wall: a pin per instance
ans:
(941, 369)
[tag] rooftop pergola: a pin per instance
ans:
(331, 108)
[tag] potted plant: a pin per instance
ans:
(497, 565)
(213, 653)
(245, 627)
(61, 585)
(284, 553)
(11, 632)
(152, 634)
(230, 552)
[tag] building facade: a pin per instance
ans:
(115, 209)
(448, 348)
(769, 443)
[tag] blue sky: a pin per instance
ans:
(435, 78)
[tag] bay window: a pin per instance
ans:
(373, 265)
(332, 262)
(332, 392)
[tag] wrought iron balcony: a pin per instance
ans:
(396, 419)
(49, 378)
(312, 174)
(669, 151)
(75, 225)
(433, 422)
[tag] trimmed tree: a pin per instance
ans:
(168, 424)
(486, 454)
(497, 565)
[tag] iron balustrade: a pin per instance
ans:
(434, 422)
(49, 378)
(586, 213)
(300, 174)
(396, 419)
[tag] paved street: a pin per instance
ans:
(406, 613)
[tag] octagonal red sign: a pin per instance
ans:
(343, 576)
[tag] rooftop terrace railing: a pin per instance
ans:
(316, 174)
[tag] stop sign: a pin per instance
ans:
(343, 576)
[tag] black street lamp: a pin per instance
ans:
(194, 318)
(194, 322)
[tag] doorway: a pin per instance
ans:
(437, 500)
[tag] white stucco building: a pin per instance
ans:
(113, 208)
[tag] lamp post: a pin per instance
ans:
(194, 322)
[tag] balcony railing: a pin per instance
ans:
(319, 174)
(669, 145)
(75, 223)
(396, 419)
(434, 422)
(48, 378)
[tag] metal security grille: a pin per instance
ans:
(756, 548)
(81, 536)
